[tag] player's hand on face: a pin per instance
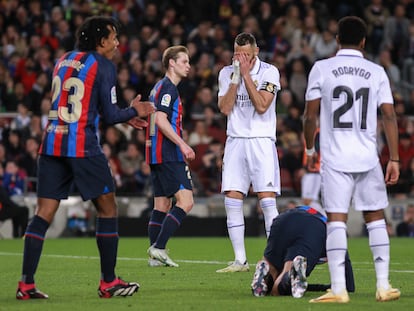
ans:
(138, 123)
(245, 63)
(143, 108)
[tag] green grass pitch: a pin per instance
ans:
(69, 273)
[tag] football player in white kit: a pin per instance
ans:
(247, 96)
(348, 90)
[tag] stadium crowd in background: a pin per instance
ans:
(291, 34)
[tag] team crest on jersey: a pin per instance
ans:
(166, 100)
(113, 95)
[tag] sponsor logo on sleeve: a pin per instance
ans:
(113, 95)
(166, 100)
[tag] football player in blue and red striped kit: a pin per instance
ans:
(83, 92)
(167, 154)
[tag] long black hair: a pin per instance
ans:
(93, 30)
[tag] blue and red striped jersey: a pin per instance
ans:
(160, 149)
(83, 91)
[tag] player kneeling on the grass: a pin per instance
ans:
(83, 90)
(295, 245)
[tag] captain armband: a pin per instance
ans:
(268, 87)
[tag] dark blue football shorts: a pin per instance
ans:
(170, 177)
(58, 176)
(296, 232)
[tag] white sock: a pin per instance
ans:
(336, 247)
(270, 212)
(235, 227)
(379, 243)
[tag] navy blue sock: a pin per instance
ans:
(154, 225)
(171, 223)
(33, 245)
(107, 241)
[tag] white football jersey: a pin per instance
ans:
(244, 121)
(351, 89)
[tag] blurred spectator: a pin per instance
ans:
(326, 45)
(292, 159)
(406, 227)
(115, 139)
(25, 73)
(397, 34)
(297, 73)
(210, 174)
(22, 120)
(142, 178)
(405, 185)
(28, 161)
(39, 90)
(276, 43)
(199, 135)
(10, 210)
(14, 181)
(304, 39)
(292, 21)
(130, 160)
(3, 158)
(405, 150)
(375, 15)
(293, 119)
(13, 145)
(114, 164)
(392, 70)
(285, 99)
(134, 50)
(128, 23)
(33, 130)
(265, 17)
(43, 60)
(47, 37)
(203, 98)
(15, 94)
(122, 84)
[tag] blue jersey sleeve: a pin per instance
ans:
(110, 112)
(165, 100)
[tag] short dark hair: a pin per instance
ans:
(245, 38)
(172, 53)
(93, 30)
(351, 30)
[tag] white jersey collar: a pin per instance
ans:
(349, 52)
(256, 67)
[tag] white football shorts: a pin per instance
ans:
(365, 190)
(250, 161)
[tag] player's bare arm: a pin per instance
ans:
(310, 117)
(389, 120)
(227, 102)
(164, 126)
